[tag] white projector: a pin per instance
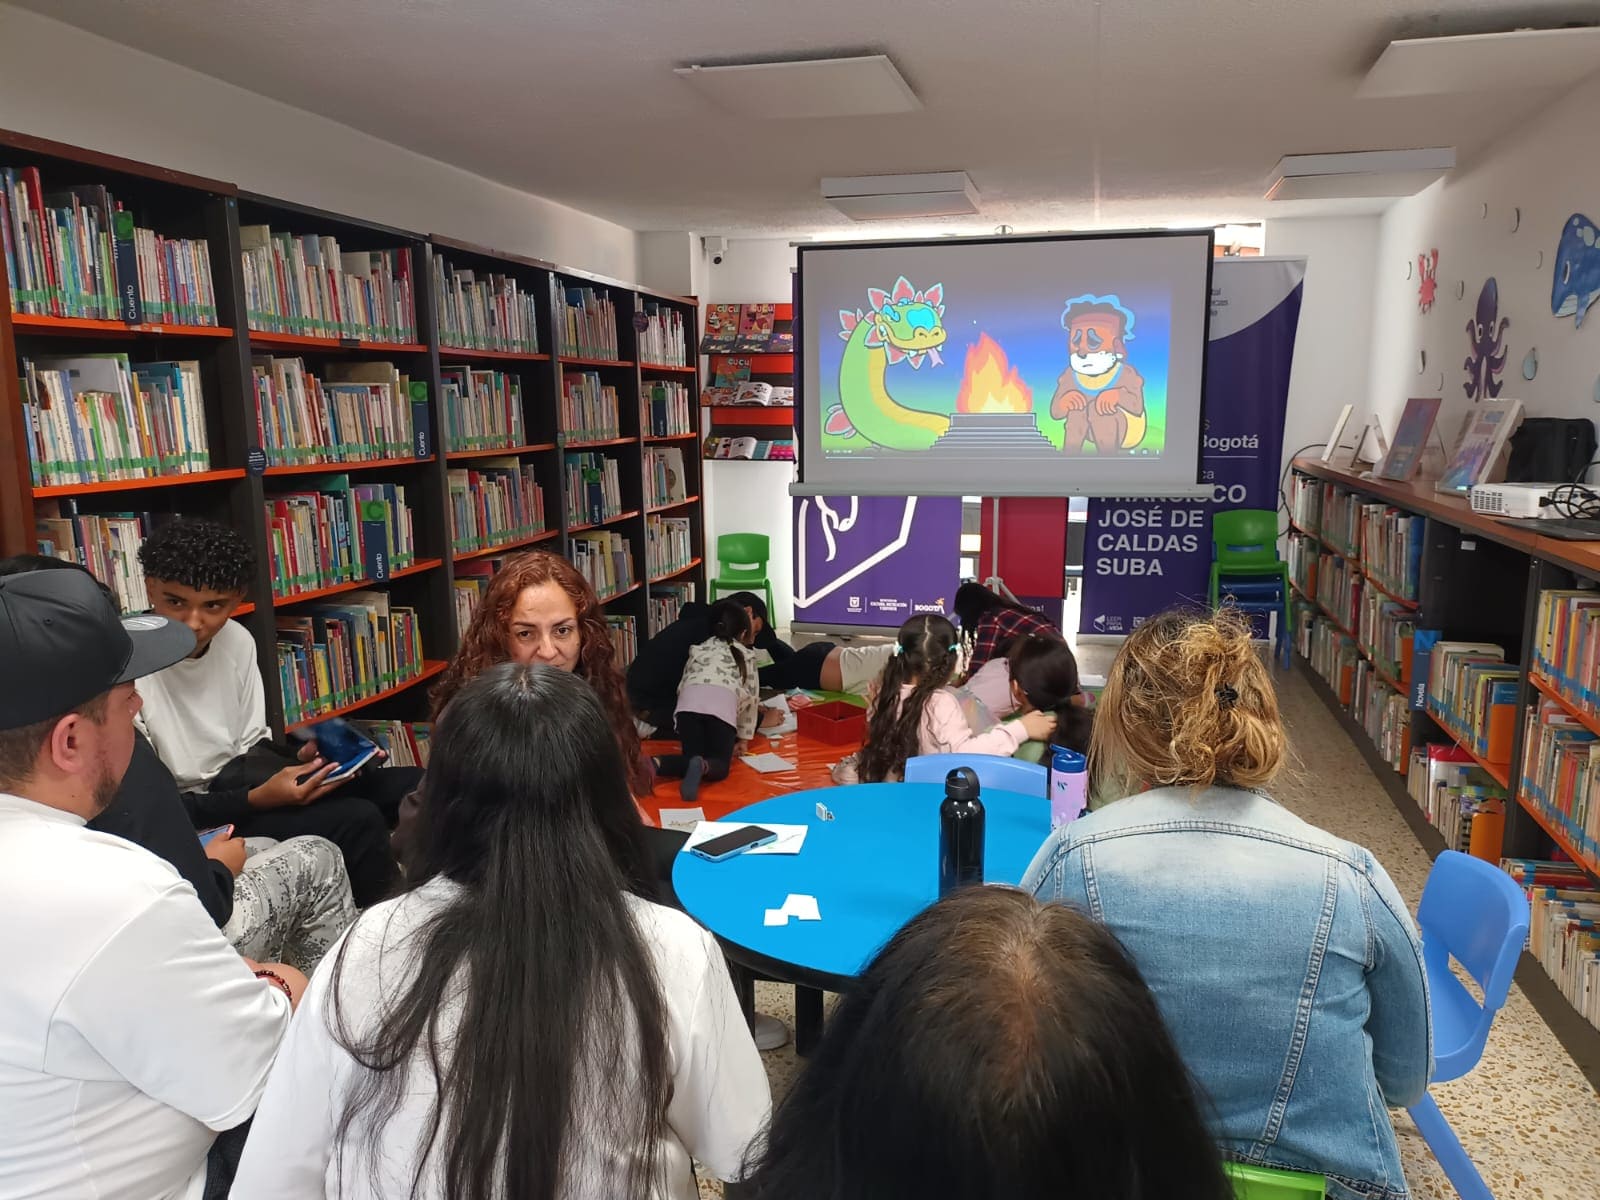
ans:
(1513, 499)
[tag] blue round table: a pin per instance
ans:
(872, 868)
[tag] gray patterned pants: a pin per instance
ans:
(291, 901)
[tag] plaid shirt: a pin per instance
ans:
(999, 626)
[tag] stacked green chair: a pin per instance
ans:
(742, 565)
(1246, 569)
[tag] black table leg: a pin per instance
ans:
(744, 986)
(807, 1019)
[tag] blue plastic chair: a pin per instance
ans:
(1477, 914)
(1004, 774)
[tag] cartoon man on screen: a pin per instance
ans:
(1099, 396)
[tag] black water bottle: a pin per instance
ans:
(961, 824)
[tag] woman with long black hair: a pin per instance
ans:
(521, 1022)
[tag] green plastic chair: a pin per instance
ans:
(742, 565)
(1245, 567)
(1268, 1183)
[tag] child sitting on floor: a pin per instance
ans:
(717, 702)
(916, 712)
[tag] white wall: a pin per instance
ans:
(1547, 167)
(63, 83)
(1333, 343)
(753, 497)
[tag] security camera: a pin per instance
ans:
(717, 247)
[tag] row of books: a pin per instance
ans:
(745, 329)
(332, 655)
(586, 324)
(752, 393)
(482, 410)
(594, 488)
(78, 253)
(310, 286)
(98, 417)
(353, 412)
(605, 559)
(1340, 523)
(106, 543)
(471, 584)
(1561, 773)
(334, 532)
(666, 603)
(1566, 645)
(1305, 501)
(1303, 554)
(624, 633)
(1386, 631)
(667, 545)
(665, 409)
(1563, 928)
(496, 500)
(1391, 548)
(664, 480)
(1456, 795)
(1331, 652)
(491, 312)
(1383, 711)
(1472, 692)
(1339, 589)
(759, 449)
(407, 743)
(588, 409)
(662, 339)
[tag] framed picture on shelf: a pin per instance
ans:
(1410, 439)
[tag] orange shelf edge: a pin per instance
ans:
(688, 566)
(364, 464)
(607, 599)
(1547, 687)
(416, 568)
(460, 353)
(430, 668)
(68, 326)
(622, 516)
(134, 485)
(544, 536)
(684, 503)
(1557, 835)
(498, 451)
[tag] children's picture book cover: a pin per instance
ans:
(755, 327)
(722, 328)
(1410, 439)
(1486, 432)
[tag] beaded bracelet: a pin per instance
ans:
(277, 981)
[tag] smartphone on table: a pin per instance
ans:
(340, 742)
(727, 845)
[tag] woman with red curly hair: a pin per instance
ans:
(540, 609)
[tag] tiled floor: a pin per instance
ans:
(1526, 1115)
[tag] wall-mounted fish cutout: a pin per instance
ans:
(1575, 282)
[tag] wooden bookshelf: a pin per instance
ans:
(430, 668)
(1480, 580)
(691, 565)
(686, 502)
(179, 205)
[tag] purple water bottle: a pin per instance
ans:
(1069, 786)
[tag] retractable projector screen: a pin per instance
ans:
(1018, 366)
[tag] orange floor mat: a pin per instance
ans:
(745, 785)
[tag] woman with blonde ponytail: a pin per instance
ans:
(1283, 959)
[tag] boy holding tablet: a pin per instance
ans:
(206, 717)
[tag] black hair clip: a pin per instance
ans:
(1227, 696)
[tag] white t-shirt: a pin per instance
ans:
(130, 1031)
(203, 712)
(720, 1097)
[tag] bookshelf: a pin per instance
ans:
(753, 357)
(455, 353)
(1427, 570)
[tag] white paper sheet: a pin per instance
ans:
(776, 916)
(790, 837)
(682, 819)
(768, 763)
(802, 907)
(789, 723)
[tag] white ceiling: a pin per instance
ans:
(1066, 113)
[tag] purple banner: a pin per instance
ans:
(874, 560)
(1143, 556)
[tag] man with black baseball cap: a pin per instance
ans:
(130, 1031)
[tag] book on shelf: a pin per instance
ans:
(494, 501)
(1563, 928)
(1566, 647)
(1410, 439)
(1483, 437)
(332, 532)
(758, 449)
(487, 311)
(1339, 589)
(93, 418)
(1304, 556)
(1561, 762)
(1386, 631)
(624, 631)
(472, 581)
(755, 327)
(664, 478)
(754, 392)
(589, 410)
(663, 341)
(78, 253)
(1305, 502)
(668, 546)
(666, 603)
(729, 371)
(594, 488)
(481, 409)
(105, 543)
(1333, 655)
(310, 286)
(665, 409)
(407, 743)
(355, 412)
(1391, 548)
(605, 558)
(1381, 711)
(1453, 792)
(332, 655)
(1472, 691)
(586, 324)
(722, 329)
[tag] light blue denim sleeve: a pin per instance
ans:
(1056, 873)
(1399, 1024)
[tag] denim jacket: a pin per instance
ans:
(1284, 961)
